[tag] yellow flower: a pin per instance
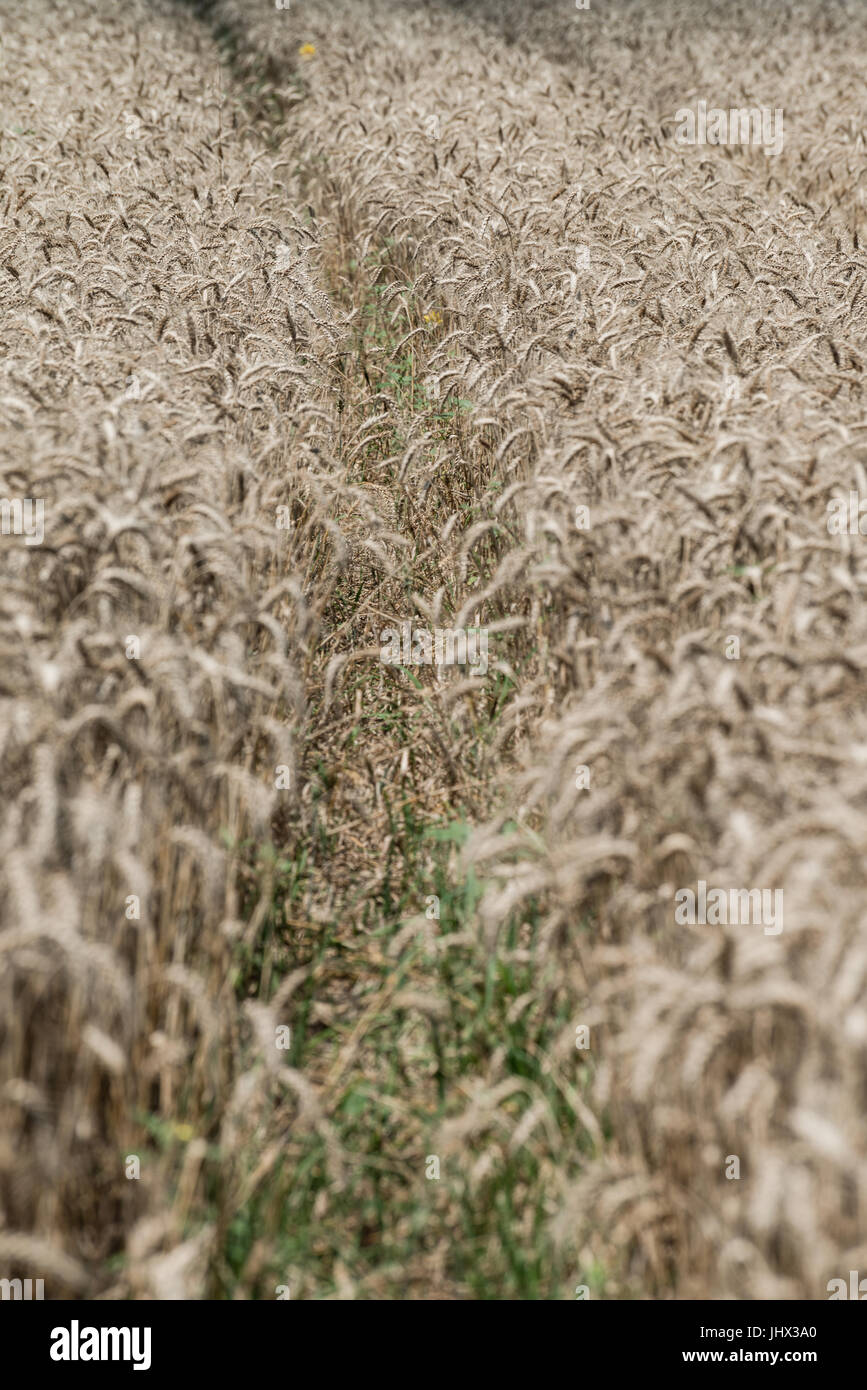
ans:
(434, 317)
(183, 1132)
(307, 50)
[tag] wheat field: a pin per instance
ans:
(372, 979)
